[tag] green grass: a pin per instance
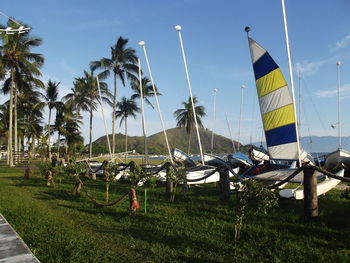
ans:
(60, 227)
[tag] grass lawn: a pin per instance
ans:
(61, 227)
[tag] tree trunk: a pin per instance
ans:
(15, 117)
(33, 146)
(126, 137)
(58, 145)
(189, 143)
(9, 145)
(49, 131)
(113, 114)
(90, 138)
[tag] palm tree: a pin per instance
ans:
(147, 90)
(16, 58)
(31, 115)
(123, 63)
(185, 117)
(87, 95)
(51, 98)
(125, 108)
(63, 113)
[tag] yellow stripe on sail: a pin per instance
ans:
(270, 82)
(279, 117)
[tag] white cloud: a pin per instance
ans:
(344, 90)
(309, 68)
(342, 43)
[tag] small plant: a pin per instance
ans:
(252, 196)
(346, 194)
(135, 175)
(176, 176)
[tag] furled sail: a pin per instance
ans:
(276, 105)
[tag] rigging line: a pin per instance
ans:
(310, 98)
(9, 18)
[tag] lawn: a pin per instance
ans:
(60, 227)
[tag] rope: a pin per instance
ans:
(98, 204)
(287, 179)
(344, 179)
(99, 168)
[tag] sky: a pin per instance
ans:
(77, 32)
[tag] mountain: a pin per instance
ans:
(324, 144)
(321, 144)
(177, 137)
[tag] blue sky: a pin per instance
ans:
(77, 32)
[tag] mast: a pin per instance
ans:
(142, 44)
(229, 130)
(178, 28)
(143, 112)
(291, 75)
(212, 133)
(300, 102)
(240, 117)
(104, 120)
(338, 88)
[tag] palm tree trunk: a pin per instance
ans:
(15, 118)
(49, 140)
(9, 145)
(126, 136)
(189, 143)
(58, 145)
(90, 139)
(33, 145)
(113, 114)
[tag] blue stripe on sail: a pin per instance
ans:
(281, 135)
(264, 65)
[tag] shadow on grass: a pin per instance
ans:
(58, 194)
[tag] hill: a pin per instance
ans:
(177, 137)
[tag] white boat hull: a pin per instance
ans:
(335, 159)
(322, 188)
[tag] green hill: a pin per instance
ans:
(177, 137)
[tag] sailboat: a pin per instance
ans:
(258, 154)
(278, 113)
(340, 157)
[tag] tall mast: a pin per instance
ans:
(300, 102)
(338, 88)
(240, 117)
(212, 133)
(143, 112)
(178, 28)
(229, 130)
(142, 44)
(291, 76)
(104, 120)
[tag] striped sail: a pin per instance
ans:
(276, 105)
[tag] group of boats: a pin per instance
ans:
(284, 153)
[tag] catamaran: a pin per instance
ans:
(340, 157)
(279, 115)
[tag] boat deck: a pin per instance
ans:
(12, 247)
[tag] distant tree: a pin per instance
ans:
(123, 64)
(125, 108)
(51, 99)
(185, 117)
(88, 96)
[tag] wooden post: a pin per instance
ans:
(310, 194)
(224, 185)
(169, 182)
